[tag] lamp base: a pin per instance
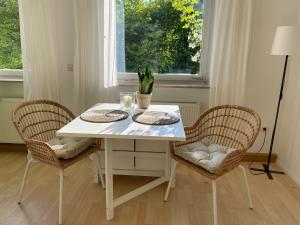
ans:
(267, 171)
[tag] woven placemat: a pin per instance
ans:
(104, 115)
(155, 118)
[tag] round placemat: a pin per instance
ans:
(155, 118)
(104, 115)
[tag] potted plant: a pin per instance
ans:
(146, 80)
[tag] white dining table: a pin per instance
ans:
(126, 129)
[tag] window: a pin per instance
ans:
(166, 35)
(10, 44)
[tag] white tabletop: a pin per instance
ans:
(126, 129)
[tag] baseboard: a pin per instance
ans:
(261, 157)
(7, 147)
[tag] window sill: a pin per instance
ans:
(9, 75)
(168, 84)
(166, 81)
(11, 78)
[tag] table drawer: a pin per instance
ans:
(151, 146)
(150, 161)
(121, 145)
(121, 160)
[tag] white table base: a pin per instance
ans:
(111, 203)
(126, 129)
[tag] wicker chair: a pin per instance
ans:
(37, 122)
(232, 126)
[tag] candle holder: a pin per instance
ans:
(127, 101)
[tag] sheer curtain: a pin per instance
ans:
(95, 51)
(39, 55)
(229, 54)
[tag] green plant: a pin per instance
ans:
(146, 80)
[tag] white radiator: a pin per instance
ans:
(190, 112)
(8, 133)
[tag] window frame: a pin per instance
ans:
(186, 80)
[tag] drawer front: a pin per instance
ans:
(121, 160)
(153, 161)
(151, 146)
(121, 145)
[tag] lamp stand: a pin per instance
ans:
(266, 166)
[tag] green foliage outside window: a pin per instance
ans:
(166, 35)
(10, 44)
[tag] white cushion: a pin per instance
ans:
(66, 147)
(204, 154)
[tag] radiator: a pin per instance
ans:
(190, 112)
(8, 133)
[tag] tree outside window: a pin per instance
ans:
(165, 35)
(10, 44)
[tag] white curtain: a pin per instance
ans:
(95, 51)
(229, 52)
(39, 55)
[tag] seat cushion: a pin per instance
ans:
(66, 147)
(204, 153)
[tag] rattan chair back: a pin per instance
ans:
(40, 119)
(228, 125)
(37, 122)
(232, 126)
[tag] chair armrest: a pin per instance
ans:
(42, 152)
(231, 161)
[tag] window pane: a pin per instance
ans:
(10, 45)
(165, 35)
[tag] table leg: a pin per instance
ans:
(167, 161)
(95, 169)
(174, 178)
(109, 179)
(168, 164)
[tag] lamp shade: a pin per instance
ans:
(285, 40)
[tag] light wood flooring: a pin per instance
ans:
(276, 202)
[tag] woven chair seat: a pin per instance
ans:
(67, 147)
(204, 153)
(64, 163)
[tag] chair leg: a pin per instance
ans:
(98, 162)
(24, 180)
(61, 187)
(247, 186)
(215, 206)
(173, 170)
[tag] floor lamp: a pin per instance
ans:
(284, 44)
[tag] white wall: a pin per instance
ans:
(287, 144)
(264, 80)
(288, 138)
(264, 70)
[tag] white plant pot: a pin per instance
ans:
(143, 100)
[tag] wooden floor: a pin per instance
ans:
(275, 202)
